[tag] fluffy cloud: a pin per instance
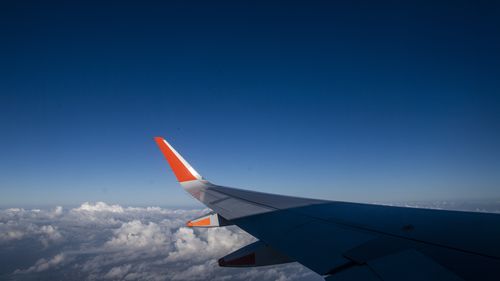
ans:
(18, 230)
(49, 234)
(43, 264)
(98, 241)
(208, 243)
(137, 235)
(99, 207)
(9, 232)
(118, 272)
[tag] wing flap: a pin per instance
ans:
(408, 265)
(354, 273)
(411, 265)
(255, 254)
(316, 244)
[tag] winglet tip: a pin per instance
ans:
(182, 170)
(157, 139)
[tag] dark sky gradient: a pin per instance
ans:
(347, 100)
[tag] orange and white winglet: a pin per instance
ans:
(181, 168)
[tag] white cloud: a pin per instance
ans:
(18, 230)
(43, 264)
(49, 234)
(210, 242)
(118, 272)
(137, 235)
(58, 211)
(196, 272)
(99, 207)
(7, 234)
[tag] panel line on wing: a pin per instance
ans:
(220, 200)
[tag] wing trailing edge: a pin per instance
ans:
(255, 254)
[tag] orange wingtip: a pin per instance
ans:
(180, 170)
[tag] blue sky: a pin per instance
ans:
(347, 100)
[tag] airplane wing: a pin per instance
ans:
(347, 241)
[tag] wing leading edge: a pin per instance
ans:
(348, 241)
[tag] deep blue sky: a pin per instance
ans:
(346, 100)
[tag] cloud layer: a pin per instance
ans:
(98, 241)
